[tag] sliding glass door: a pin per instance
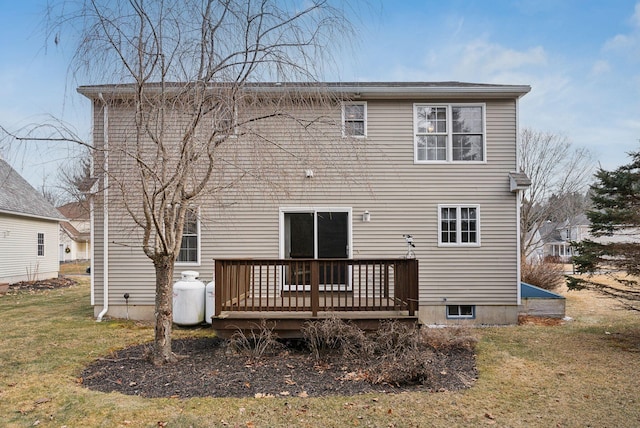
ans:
(317, 234)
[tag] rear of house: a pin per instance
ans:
(436, 161)
(28, 230)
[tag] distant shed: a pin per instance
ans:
(538, 302)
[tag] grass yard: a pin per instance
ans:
(582, 373)
(74, 268)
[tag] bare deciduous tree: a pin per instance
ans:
(77, 178)
(558, 172)
(186, 69)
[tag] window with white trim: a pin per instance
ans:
(459, 225)
(190, 247)
(461, 311)
(226, 120)
(41, 244)
(354, 119)
(449, 133)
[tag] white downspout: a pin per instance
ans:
(519, 194)
(105, 207)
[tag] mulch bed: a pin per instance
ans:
(46, 284)
(208, 369)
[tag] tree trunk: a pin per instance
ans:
(162, 352)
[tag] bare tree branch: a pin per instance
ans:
(556, 169)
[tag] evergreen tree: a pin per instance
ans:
(615, 226)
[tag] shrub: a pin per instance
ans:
(396, 353)
(394, 337)
(256, 343)
(545, 274)
(410, 356)
(333, 334)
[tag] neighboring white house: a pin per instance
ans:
(554, 239)
(436, 160)
(29, 230)
(75, 234)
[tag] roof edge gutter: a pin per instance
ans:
(22, 214)
(364, 89)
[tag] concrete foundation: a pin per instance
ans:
(136, 312)
(484, 315)
(547, 308)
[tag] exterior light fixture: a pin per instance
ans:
(366, 216)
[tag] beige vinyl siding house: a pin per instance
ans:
(375, 184)
(28, 230)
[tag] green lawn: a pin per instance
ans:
(582, 373)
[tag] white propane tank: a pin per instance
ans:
(188, 299)
(209, 301)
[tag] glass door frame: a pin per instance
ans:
(315, 210)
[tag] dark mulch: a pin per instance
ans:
(208, 369)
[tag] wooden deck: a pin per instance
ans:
(289, 292)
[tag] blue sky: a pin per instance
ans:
(580, 57)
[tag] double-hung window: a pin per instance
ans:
(459, 225)
(449, 133)
(226, 120)
(354, 119)
(190, 247)
(40, 244)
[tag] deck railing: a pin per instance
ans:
(313, 285)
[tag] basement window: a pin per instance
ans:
(461, 311)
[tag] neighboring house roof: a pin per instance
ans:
(579, 220)
(355, 89)
(563, 231)
(75, 211)
(74, 233)
(18, 197)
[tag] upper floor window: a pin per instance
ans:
(190, 247)
(226, 120)
(449, 133)
(354, 119)
(459, 225)
(40, 244)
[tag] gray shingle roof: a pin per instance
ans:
(357, 89)
(19, 198)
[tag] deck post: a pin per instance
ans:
(217, 269)
(413, 293)
(315, 287)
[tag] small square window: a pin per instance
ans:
(461, 311)
(226, 121)
(354, 120)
